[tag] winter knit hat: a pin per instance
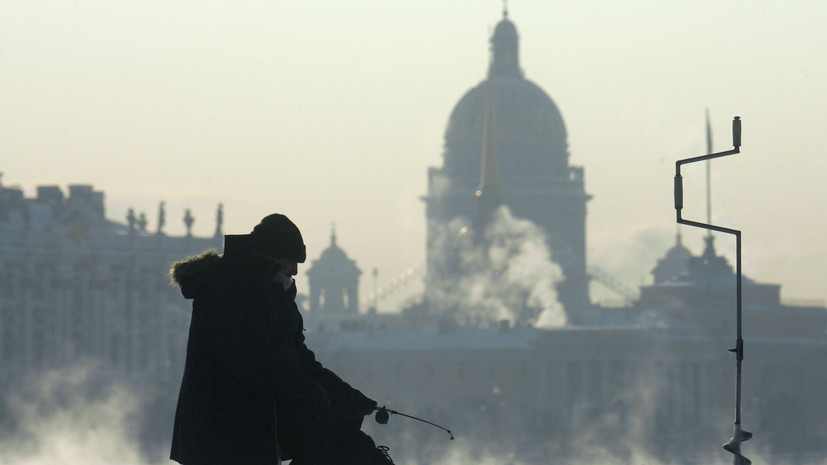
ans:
(278, 237)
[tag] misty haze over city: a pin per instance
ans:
(485, 191)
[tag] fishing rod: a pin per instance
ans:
(383, 415)
(739, 435)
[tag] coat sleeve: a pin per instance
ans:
(344, 397)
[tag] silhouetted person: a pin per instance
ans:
(252, 392)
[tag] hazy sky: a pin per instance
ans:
(332, 111)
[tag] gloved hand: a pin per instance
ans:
(360, 407)
(354, 404)
(368, 406)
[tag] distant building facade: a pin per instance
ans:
(655, 375)
(75, 285)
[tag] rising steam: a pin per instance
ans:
(508, 275)
(68, 417)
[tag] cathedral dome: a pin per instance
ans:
(506, 145)
(530, 133)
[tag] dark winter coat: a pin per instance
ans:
(245, 356)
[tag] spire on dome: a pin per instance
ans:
(333, 234)
(709, 250)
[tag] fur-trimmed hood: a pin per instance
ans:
(194, 272)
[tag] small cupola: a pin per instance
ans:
(505, 52)
(675, 263)
(334, 281)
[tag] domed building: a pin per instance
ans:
(333, 280)
(674, 263)
(515, 126)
